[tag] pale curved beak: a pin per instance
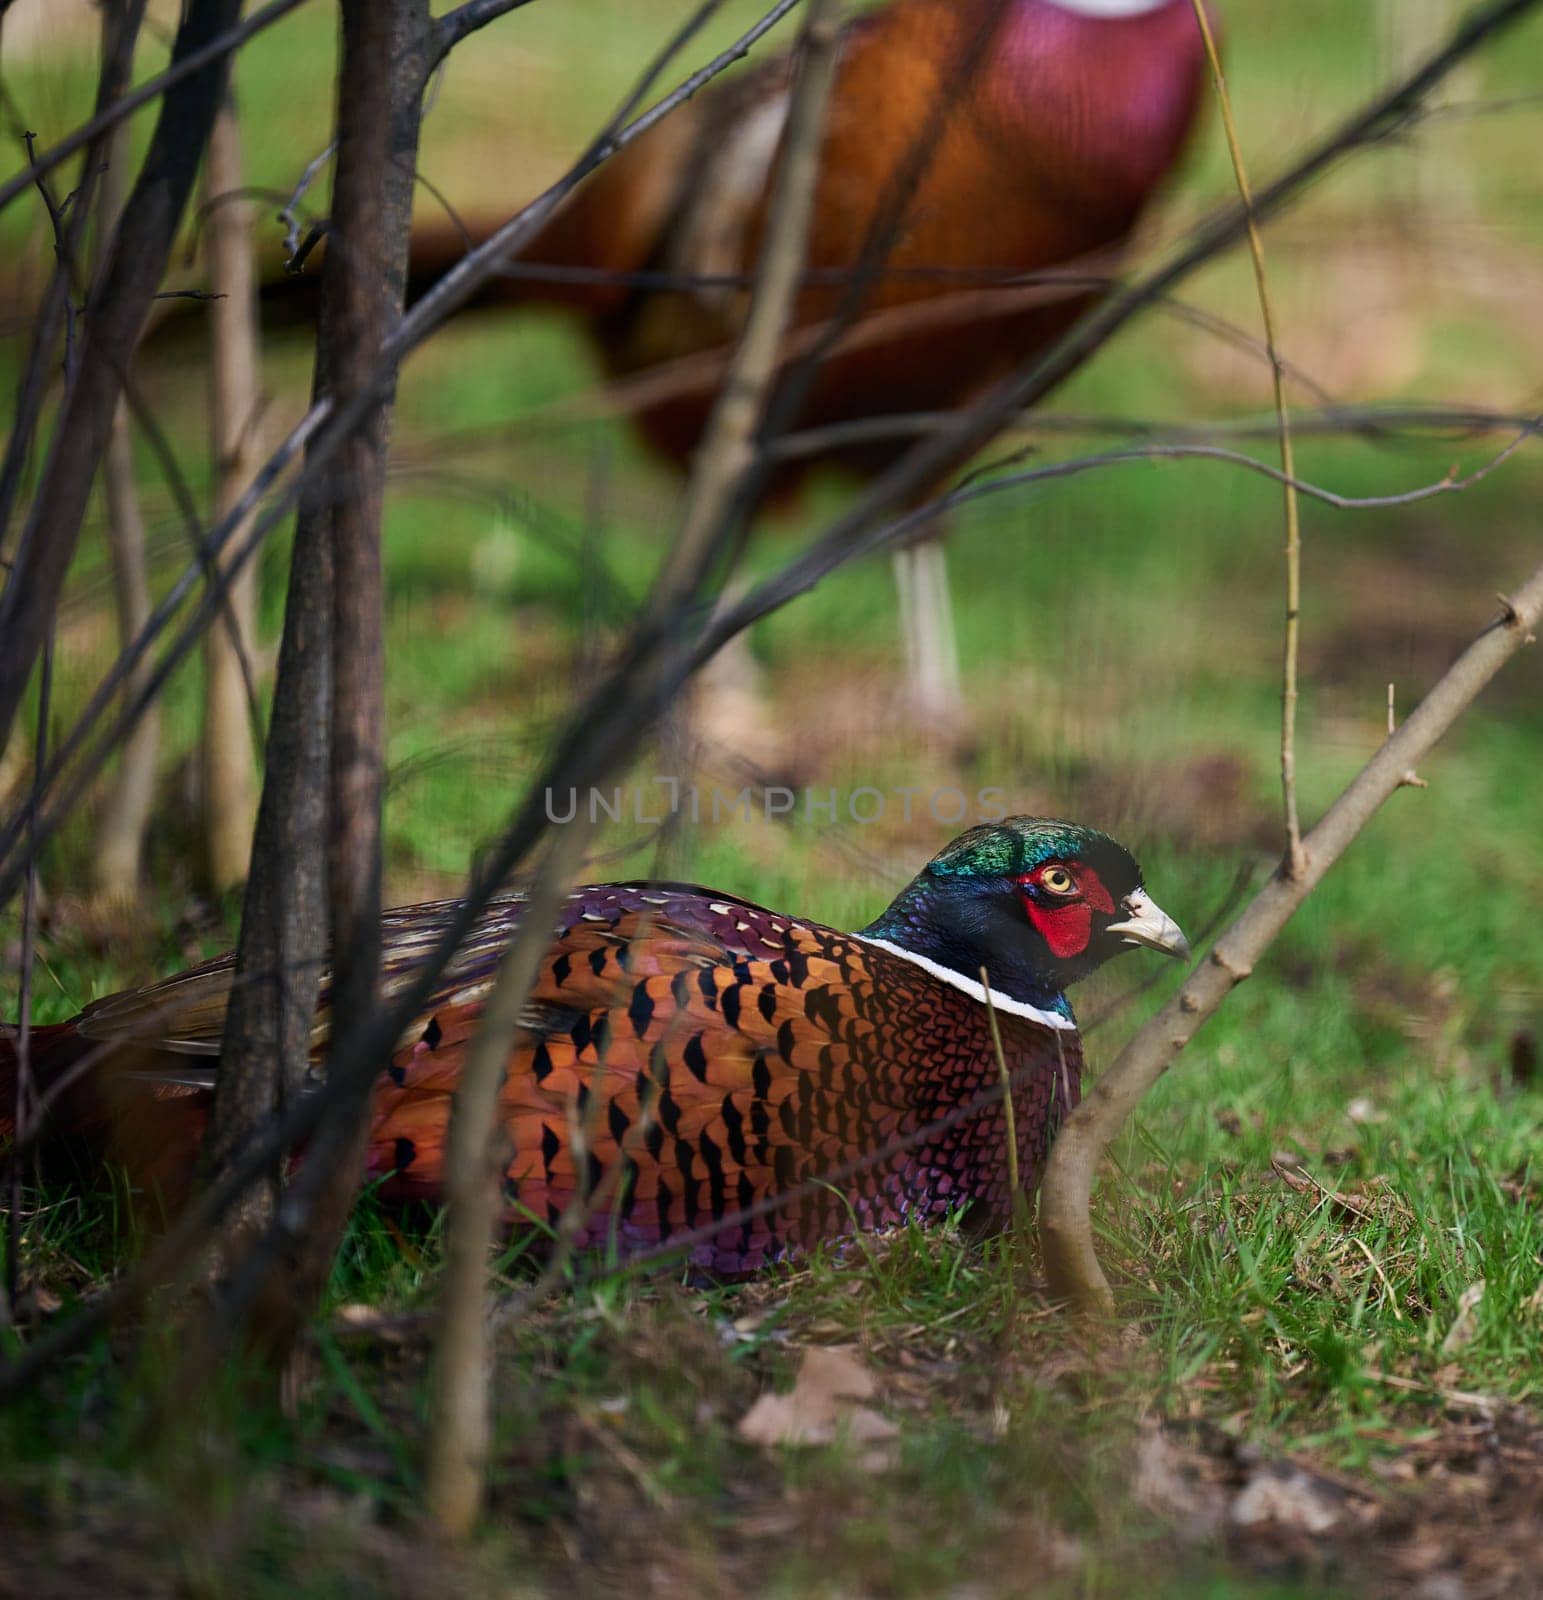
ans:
(1149, 925)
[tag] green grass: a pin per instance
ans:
(1120, 639)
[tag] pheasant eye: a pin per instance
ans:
(1058, 880)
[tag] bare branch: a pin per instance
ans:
(1066, 1234)
(708, 527)
(805, 572)
(152, 88)
(320, 433)
(23, 1107)
(460, 1422)
(120, 842)
(235, 632)
(288, 211)
(1381, 424)
(56, 305)
(316, 854)
(468, 275)
(465, 20)
(114, 318)
(387, 46)
(231, 714)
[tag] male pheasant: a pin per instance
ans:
(693, 1067)
(1031, 135)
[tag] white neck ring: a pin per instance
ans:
(1108, 8)
(976, 991)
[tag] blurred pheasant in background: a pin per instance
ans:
(1018, 138)
(692, 1063)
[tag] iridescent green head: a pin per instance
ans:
(1038, 902)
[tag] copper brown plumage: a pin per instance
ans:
(1012, 138)
(972, 150)
(983, 165)
(694, 1064)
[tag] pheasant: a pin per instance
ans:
(1044, 128)
(694, 1067)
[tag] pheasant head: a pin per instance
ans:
(1038, 903)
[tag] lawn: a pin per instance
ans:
(1326, 1225)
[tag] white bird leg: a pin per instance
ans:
(933, 690)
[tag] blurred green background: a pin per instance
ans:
(1121, 640)
(1120, 630)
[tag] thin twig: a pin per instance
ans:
(465, 19)
(727, 456)
(112, 81)
(151, 89)
(236, 408)
(321, 432)
(807, 571)
(460, 1421)
(1066, 1234)
(63, 255)
(118, 859)
(161, 447)
(22, 1108)
(1019, 1202)
(1288, 727)
(287, 211)
(120, 300)
(1383, 425)
(63, 252)
(197, 536)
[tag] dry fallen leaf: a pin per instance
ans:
(1346, 1207)
(1287, 1497)
(824, 1405)
(1465, 1325)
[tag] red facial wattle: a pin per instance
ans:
(1065, 923)
(1066, 929)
